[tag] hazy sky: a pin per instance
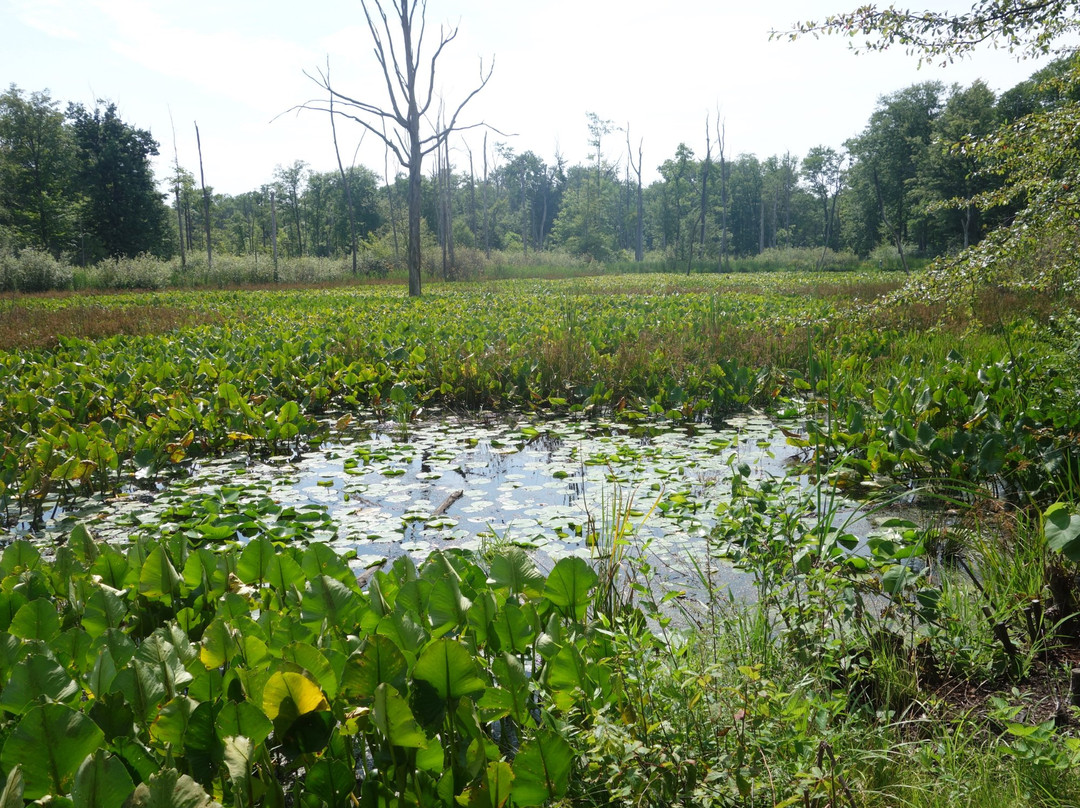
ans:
(234, 66)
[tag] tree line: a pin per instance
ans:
(78, 183)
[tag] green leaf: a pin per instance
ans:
(328, 602)
(140, 685)
(161, 654)
(19, 555)
(568, 586)
(541, 769)
(394, 719)
(512, 569)
(380, 660)
(256, 562)
(170, 789)
(332, 781)
(282, 688)
(243, 718)
(158, 578)
(1062, 531)
(36, 620)
(34, 677)
(449, 668)
(171, 723)
(897, 579)
(239, 757)
(50, 743)
(101, 782)
(314, 663)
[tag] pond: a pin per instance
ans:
(555, 486)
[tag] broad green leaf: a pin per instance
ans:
(568, 585)
(202, 746)
(897, 579)
(243, 718)
(1062, 530)
(391, 714)
(170, 789)
(312, 660)
(328, 602)
(101, 782)
(19, 555)
(542, 769)
(161, 654)
(305, 695)
(113, 569)
(239, 757)
(72, 649)
(218, 645)
(171, 723)
(37, 677)
(36, 620)
(380, 660)
(256, 562)
(512, 569)
(449, 668)
(447, 607)
(332, 781)
(495, 787)
(141, 685)
(50, 743)
(81, 541)
(158, 578)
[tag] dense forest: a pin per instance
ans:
(78, 184)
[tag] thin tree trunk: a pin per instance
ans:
(487, 227)
(639, 236)
(206, 203)
(898, 238)
(344, 178)
(273, 232)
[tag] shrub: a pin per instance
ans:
(32, 271)
(141, 272)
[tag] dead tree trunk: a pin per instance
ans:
(206, 203)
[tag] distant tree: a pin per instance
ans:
(823, 171)
(1034, 155)
(887, 157)
(290, 181)
(124, 214)
(410, 90)
(950, 170)
(37, 204)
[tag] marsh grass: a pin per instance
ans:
(34, 326)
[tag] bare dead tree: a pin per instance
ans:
(639, 238)
(721, 132)
(176, 191)
(344, 177)
(410, 89)
(206, 203)
(706, 165)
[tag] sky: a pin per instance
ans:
(237, 69)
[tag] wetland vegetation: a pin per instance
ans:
(224, 577)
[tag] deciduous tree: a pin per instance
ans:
(409, 79)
